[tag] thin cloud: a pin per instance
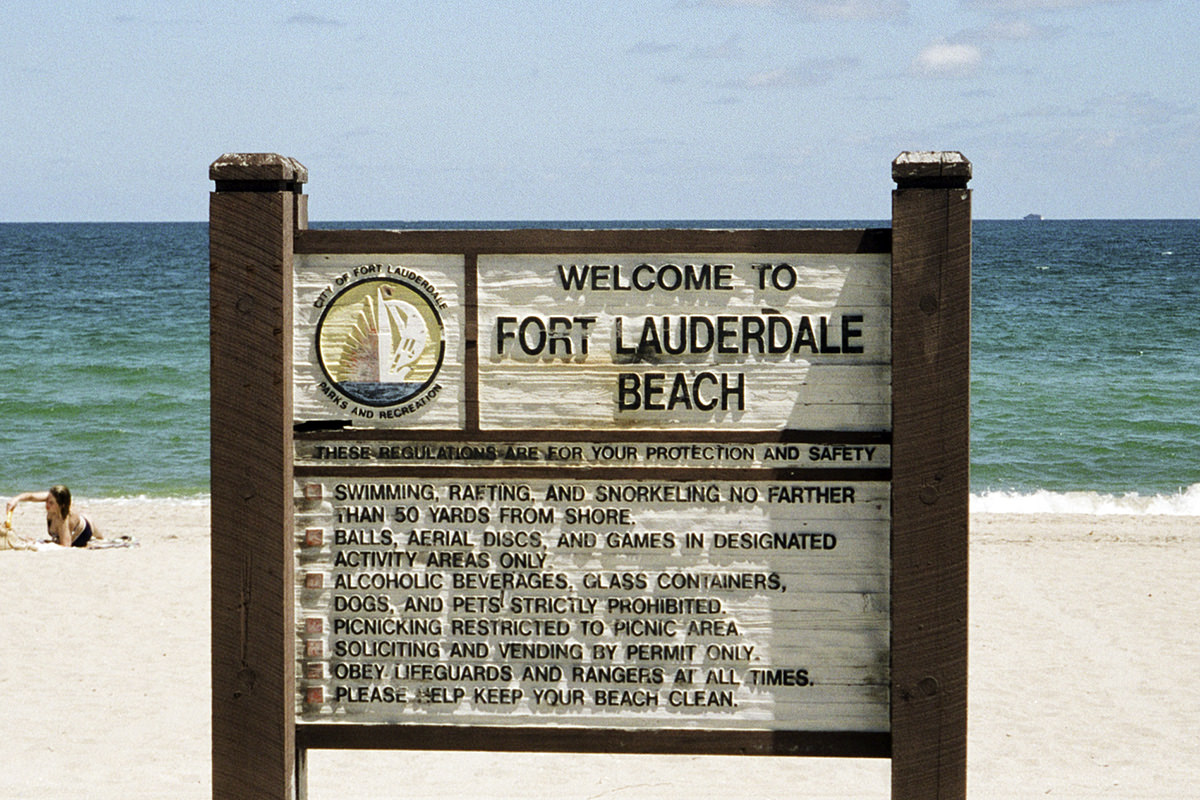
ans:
(850, 9)
(1012, 29)
(646, 48)
(1056, 113)
(313, 21)
(810, 72)
(727, 50)
(1036, 5)
(943, 59)
(767, 79)
(828, 9)
(1145, 108)
(130, 19)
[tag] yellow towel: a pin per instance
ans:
(8, 539)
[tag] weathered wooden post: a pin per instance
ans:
(931, 307)
(254, 213)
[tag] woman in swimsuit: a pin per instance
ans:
(64, 526)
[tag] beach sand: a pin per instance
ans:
(1084, 678)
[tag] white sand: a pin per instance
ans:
(1085, 678)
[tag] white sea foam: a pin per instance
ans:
(196, 501)
(1185, 503)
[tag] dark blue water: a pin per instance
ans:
(1085, 366)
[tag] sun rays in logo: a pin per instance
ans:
(380, 342)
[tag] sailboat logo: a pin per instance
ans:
(380, 342)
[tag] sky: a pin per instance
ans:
(571, 110)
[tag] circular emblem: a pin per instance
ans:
(380, 342)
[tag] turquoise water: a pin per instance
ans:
(104, 366)
(1085, 365)
(1086, 359)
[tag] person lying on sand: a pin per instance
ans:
(65, 527)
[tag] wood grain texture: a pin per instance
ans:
(315, 274)
(914, 168)
(797, 390)
(931, 283)
(557, 740)
(252, 589)
(742, 436)
(626, 240)
(487, 382)
(556, 455)
(829, 613)
(253, 234)
(257, 167)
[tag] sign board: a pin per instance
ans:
(626, 490)
(691, 528)
(597, 341)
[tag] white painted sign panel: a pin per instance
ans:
(597, 490)
(319, 453)
(675, 341)
(379, 340)
(597, 341)
(632, 602)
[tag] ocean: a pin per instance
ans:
(1085, 361)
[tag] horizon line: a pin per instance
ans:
(614, 221)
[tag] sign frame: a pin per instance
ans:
(258, 223)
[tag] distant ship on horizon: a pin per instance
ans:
(1033, 217)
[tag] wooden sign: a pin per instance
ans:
(691, 530)
(618, 490)
(593, 341)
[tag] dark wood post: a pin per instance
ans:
(253, 215)
(931, 307)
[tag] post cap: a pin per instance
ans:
(270, 168)
(931, 169)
